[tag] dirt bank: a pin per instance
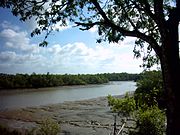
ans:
(87, 117)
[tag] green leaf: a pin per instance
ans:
(43, 44)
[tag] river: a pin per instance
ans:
(46, 96)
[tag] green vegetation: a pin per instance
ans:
(124, 106)
(48, 127)
(121, 76)
(149, 90)
(50, 80)
(144, 105)
(150, 122)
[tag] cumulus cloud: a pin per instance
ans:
(82, 58)
(77, 57)
(7, 25)
(79, 54)
(72, 58)
(7, 57)
(31, 24)
(14, 58)
(17, 40)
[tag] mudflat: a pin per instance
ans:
(86, 117)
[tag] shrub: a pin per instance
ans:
(124, 106)
(49, 127)
(150, 122)
(149, 89)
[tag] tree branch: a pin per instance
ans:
(144, 37)
(134, 33)
(131, 22)
(158, 16)
(145, 8)
(87, 25)
(101, 12)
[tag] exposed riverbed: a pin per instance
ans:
(86, 117)
(81, 117)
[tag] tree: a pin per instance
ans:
(153, 22)
(149, 89)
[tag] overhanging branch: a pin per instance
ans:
(125, 32)
(87, 26)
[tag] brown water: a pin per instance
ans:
(46, 96)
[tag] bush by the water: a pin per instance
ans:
(145, 105)
(124, 106)
(149, 90)
(49, 127)
(150, 122)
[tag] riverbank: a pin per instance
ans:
(85, 117)
(14, 91)
(10, 81)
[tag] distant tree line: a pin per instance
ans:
(121, 76)
(34, 80)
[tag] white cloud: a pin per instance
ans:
(8, 33)
(82, 58)
(71, 58)
(93, 29)
(7, 56)
(31, 24)
(14, 58)
(17, 40)
(7, 25)
(76, 57)
(55, 49)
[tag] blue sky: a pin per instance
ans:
(69, 51)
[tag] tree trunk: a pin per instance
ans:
(170, 64)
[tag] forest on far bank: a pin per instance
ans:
(10, 81)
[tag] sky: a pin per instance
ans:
(70, 51)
